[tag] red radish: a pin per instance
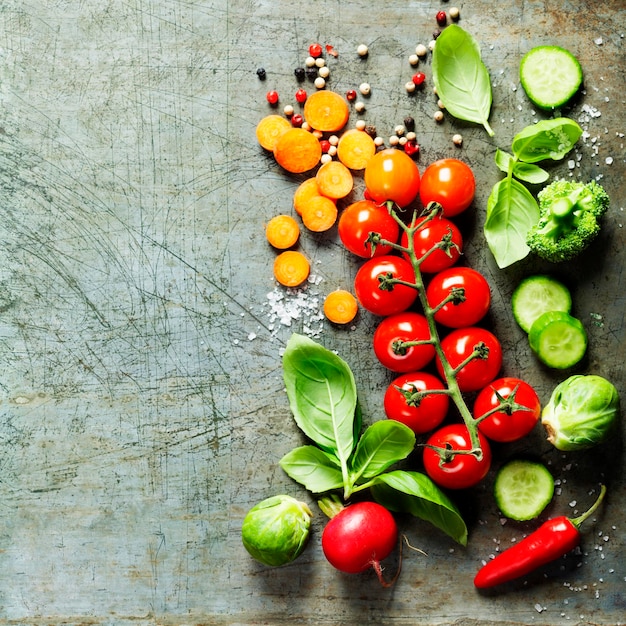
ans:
(360, 536)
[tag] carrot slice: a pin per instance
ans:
(269, 129)
(305, 191)
(282, 231)
(340, 306)
(334, 180)
(291, 268)
(319, 214)
(297, 150)
(355, 148)
(326, 111)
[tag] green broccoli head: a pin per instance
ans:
(569, 219)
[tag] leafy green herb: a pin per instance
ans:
(461, 78)
(512, 210)
(322, 396)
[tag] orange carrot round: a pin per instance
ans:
(319, 214)
(355, 148)
(297, 150)
(334, 180)
(269, 129)
(326, 111)
(304, 192)
(340, 306)
(282, 231)
(291, 268)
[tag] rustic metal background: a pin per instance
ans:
(142, 409)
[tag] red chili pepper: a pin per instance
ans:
(551, 540)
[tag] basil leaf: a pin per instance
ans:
(317, 470)
(511, 212)
(381, 445)
(527, 172)
(415, 493)
(503, 160)
(460, 77)
(547, 139)
(322, 395)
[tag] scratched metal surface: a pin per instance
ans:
(141, 404)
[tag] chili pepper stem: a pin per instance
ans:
(577, 521)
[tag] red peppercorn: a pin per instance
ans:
(272, 97)
(297, 120)
(325, 145)
(442, 18)
(412, 148)
(301, 96)
(351, 95)
(419, 78)
(315, 50)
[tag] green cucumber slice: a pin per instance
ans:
(550, 76)
(523, 489)
(536, 295)
(558, 339)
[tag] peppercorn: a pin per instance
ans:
(412, 148)
(300, 74)
(442, 18)
(362, 50)
(419, 78)
(311, 73)
(351, 95)
(297, 120)
(261, 73)
(370, 129)
(315, 50)
(409, 123)
(301, 96)
(272, 97)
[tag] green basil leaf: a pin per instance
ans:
(415, 493)
(547, 139)
(511, 212)
(461, 78)
(310, 466)
(530, 173)
(322, 395)
(503, 160)
(382, 444)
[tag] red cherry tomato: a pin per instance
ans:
(400, 328)
(422, 414)
(463, 470)
(429, 236)
(392, 175)
(449, 182)
(479, 372)
(505, 425)
(381, 301)
(360, 219)
(475, 291)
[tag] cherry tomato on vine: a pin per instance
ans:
(449, 182)
(462, 470)
(382, 301)
(504, 425)
(479, 372)
(422, 414)
(476, 292)
(399, 328)
(360, 219)
(429, 236)
(392, 175)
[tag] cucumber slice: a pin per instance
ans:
(550, 76)
(523, 489)
(536, 295)
(558, 339)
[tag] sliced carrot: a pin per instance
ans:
(340, 306)
(282, 231)
(304, 192)
(355, 148)
(297, 150)
(326, 111)
(291, 268)
(269, 129)
(319, 213)
(334, 180)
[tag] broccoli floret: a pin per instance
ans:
(569, 219)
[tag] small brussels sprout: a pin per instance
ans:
(581, 412)
(276, 530)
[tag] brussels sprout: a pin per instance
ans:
(581, 412)
(276, 530)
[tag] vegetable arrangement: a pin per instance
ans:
(430, 334)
